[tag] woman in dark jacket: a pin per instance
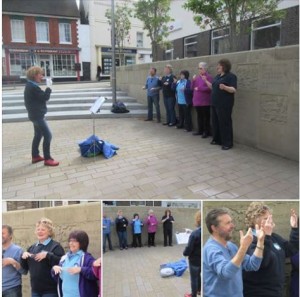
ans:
(223, 88)
(75, 269)
(40, 258)
(121, 227)
(168, 222)
(193, 251)
(35, 103)
(269, 280)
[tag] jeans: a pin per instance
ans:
(13, 292)
(106, 236)
(185, 116)
(137, 240)
(222, 125)
(41, 129)
(170, 103)
(43, 294)
(153, 100)
(195, 279)
(203, 119)
(167, 235)
(122, 239)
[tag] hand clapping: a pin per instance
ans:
(246, 240)
(294, 219)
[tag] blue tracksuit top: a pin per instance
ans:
(106, 223)
(152, 82)
(221, 278)
(181, 84)
(137, 226)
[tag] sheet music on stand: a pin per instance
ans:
(95, 108)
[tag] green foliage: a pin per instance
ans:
(232, 13)
(122, 24)
(155, 16)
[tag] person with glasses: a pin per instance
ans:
(202, 99)
(269, 280)
(11, 268)
(40, 258)
(74, 273)
(223, 261)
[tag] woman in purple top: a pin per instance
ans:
(151, 222)
(202, 99)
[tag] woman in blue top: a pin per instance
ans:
(75, 269)
(137, 230)
(184, 95)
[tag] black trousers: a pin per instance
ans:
(203, 119)
(185, 116)
(137, 239)
(151, 239)
(222, 125)
(167, 236)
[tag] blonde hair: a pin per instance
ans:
(46, 223)
(33, 71)
(170, 67)
(150, 211)
(119, 211)
(254, 211)
(198, 218)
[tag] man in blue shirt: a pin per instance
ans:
(153, 85)
(106, 223)
(223, 261)
(11, 268)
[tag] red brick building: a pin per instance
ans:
(42, 33)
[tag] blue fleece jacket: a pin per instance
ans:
(221, 278)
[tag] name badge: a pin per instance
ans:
(277, 246)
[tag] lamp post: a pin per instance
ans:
(113, 52)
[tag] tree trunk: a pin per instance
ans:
(154, 51)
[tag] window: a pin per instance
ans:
(19, 63)
(42, 32)
(129, 60)
(65, 33)
(169, 54)
(139, 39)
(64, 65)
(17, 30)
(190, 47)
(265, 34)
(220, 41)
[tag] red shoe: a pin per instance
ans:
(37, 159)
(187, 295)
(51, 162)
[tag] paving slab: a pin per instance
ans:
(154, 162)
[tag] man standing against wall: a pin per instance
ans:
(223, 261)
(11, 268)
(153, 85)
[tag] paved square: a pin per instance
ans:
(154, 161)
(135, 273)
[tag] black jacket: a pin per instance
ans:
(193, 249)
(35, 101)
(121, 224)
(167, 89)
(269, 280)
(40, 272)
(168, 225)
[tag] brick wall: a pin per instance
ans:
(290, 27)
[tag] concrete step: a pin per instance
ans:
(77, 114)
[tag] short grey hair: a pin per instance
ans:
(203, 65)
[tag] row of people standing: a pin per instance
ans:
(121, 223)
(53, 272)
(213, 99)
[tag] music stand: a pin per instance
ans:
(95, 108)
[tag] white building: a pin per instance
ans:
(137, 46)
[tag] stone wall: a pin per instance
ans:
(281, 216)
(266, 112)
(85, 217)
(184, 218)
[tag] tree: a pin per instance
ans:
(232, 14)
(154, 15)
(122, 27)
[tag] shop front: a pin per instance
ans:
(59, 64)
(125, 57)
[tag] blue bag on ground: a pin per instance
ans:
(94, 146)
(179, 267)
